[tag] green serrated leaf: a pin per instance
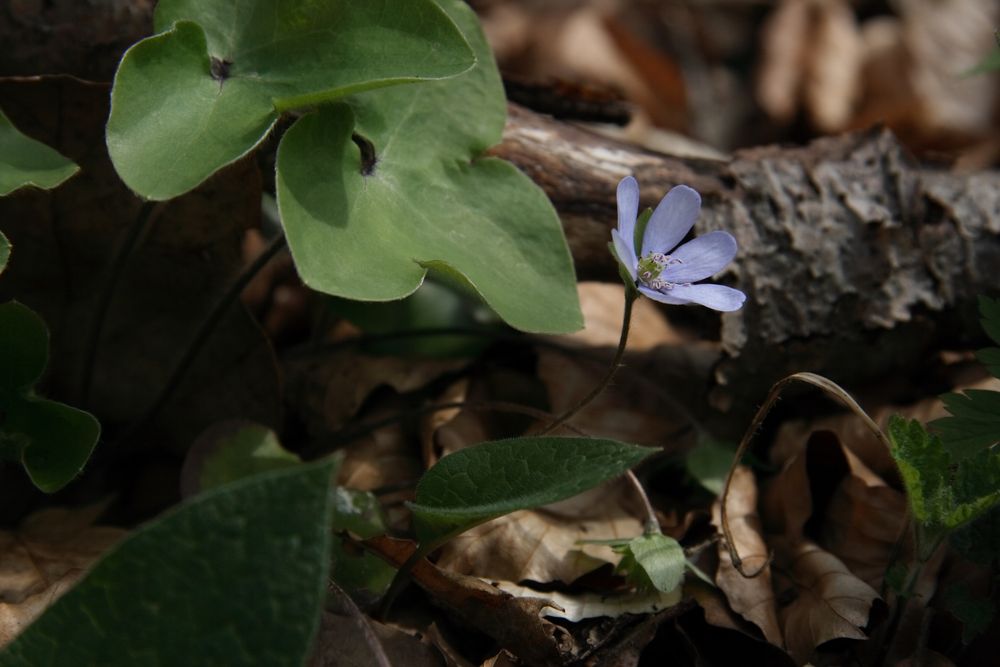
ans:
(208, 88)
(989, 311)
(368, 223)
(483, 482)
(974, 424)
(973, 611)
(653, 561)
(943, 495)
(979, 540)
(27, 162)
(923, 464)
(4, 252)
(240, 574)
(990, 357)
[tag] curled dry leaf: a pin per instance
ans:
(827, 601)
(43, 558)
(827, 493)
(515, 623)
(753, 598)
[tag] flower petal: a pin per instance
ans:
(625, 252)
(672, 220)
(628, 209)
(716, 297)
(703, 257)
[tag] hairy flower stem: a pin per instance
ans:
(108, 289)
(630, 297)
(208, 326)
(652, 525)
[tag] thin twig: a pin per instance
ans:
(104, 299)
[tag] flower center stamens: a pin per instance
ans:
(651, 266)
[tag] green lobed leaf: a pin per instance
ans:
(51, 440)
(24, 347)
(55, 440)
(974, 423)
(483, 482)
(990, 357)
(979, 540)
(25, 161)
(234, 577)
(653, 561)
(208, 88)
(4, 252)
(430, 200)
(362, 574)
(990, 63)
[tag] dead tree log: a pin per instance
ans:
(855, 259)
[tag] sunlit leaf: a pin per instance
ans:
(234, 577)
(368, 221)
(26, 162)
(495, 478)
(4, 251)
(209, 87)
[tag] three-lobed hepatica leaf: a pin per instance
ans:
(208, 87)
(653, 562)
(25, 161)
(50, 439)
(236, 576)
(367, 222)
(480, 483)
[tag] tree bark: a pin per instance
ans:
(855, 259)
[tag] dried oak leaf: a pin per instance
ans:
(43, 558)
(827, 494)
(827, 601)
(752, 598)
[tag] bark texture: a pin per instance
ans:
(854, 258)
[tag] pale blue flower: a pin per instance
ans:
(662, 271)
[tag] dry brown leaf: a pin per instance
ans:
(828, 602)
(812, 57)
(849, 509)
(603, 305)
(579, 606)
(43, 558)
(543, 545)
(752, 598)
(331, 389)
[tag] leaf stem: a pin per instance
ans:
(208, 326)
(652, 526)
(608, 376)
(108, 289)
